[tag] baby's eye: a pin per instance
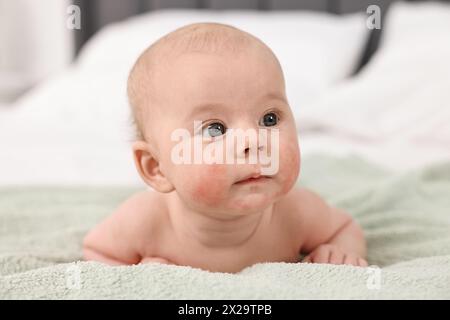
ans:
(214, 130)
(269, 119)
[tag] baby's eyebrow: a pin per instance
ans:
(274, 96)
(215, 108)
(205, 108)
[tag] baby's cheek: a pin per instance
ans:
(209, 184)
(289, 166)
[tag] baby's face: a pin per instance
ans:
(224, 92)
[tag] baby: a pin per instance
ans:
(208, 79)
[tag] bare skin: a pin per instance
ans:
(210, 216)
(278, 235)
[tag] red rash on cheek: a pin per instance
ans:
(290, 167)
(210, 184)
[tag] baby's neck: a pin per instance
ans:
(215, 230)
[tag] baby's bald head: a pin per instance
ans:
(186, 91)
(213, 38)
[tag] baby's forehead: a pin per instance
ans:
(211, 38)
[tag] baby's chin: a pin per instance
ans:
(238, 199)
(249, 203)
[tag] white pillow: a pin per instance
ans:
(75, 128)
(408, 24)
(401, 98)
(315, 49)
(70, 131)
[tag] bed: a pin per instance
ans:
(376, 143)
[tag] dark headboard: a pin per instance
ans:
(97, 13)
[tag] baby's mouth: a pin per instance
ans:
(253, 179)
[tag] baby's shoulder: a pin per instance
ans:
(295, 211)
(294, 199)
(129, 229)
(141, 211)
(299, 203)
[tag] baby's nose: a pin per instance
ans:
(251, 144)
(247, 149)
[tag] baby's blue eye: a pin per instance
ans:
(214, 130)
(269, 119)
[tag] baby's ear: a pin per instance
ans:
(148, 167)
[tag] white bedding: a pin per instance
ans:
(315, 49)
(396, 112)
(75, 130)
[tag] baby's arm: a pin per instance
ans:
(116, 240)
(329, 234)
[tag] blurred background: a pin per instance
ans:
(35, 43)
(365, 78)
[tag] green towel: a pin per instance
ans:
(406, 219)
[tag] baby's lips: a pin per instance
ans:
(255, 177)
(255, 173)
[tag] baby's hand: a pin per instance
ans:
(330, 253)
